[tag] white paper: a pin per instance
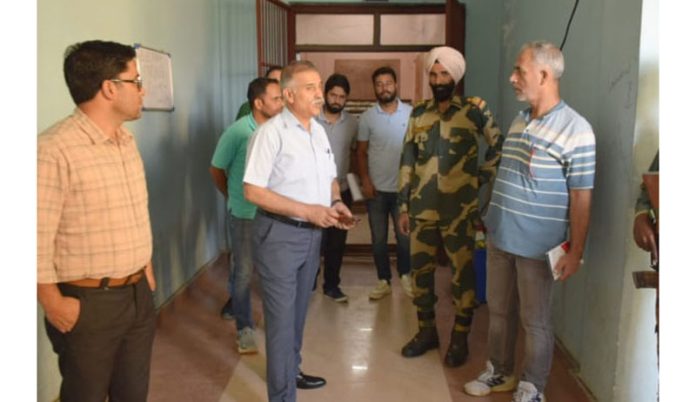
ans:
(555, 254)
(354, 186)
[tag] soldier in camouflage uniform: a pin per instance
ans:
(439, 181)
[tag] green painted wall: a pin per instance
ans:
(611, 78)
(483, 52)
(597, 313)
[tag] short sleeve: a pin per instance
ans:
(263, 148)
(581, 160)
(225, 151)
(364, 127)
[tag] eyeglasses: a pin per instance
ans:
(138, 81)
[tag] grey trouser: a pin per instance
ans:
(287, 260)
(519, 285)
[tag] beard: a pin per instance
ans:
(443, 92)
(386, 97)
(266, 114)
(334, 107)
(520, 96)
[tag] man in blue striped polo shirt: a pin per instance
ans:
(541, 198)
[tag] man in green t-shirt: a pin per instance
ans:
(227, 171)
(272, 73)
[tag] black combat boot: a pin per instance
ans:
(425, 339)
(458, 349)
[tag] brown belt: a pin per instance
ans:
(108, 282)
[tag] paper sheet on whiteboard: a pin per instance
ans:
(156, 71)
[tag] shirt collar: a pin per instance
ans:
(290, 120)
(251, 121)
(95, 133)
(527, 113)
(399, 107)
(322, 117)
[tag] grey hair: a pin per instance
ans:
(547, 54)
(295, 67)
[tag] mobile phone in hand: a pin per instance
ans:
(348, 220)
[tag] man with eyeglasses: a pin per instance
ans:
(94, 274)
(291, 177)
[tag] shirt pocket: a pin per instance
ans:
(459, 148)
(544, 164)
(328, 163)
(425, 145)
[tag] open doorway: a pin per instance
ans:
(354, 40)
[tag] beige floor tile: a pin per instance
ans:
(355, 346)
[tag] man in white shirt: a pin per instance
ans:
(291, 177)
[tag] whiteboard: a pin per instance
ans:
(155, 69)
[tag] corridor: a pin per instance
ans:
(355, 346)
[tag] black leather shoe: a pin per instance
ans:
(425, 339)
(305, 381)
(458, 349)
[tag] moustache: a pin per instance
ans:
(334, 107)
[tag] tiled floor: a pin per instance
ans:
(355, 346)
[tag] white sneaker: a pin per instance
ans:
(245, 341)
(488, 382)
(406, 285)
(527, 392)
(382, 289)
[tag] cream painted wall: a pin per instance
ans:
(637, 375)
(213, 48)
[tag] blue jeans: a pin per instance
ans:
(241, 265)
(378, 211)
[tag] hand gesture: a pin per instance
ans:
(322, 216)
(345, 220)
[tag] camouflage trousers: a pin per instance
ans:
(456, 237)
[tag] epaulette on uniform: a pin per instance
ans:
(476, 101)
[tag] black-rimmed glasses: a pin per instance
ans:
(138, 81)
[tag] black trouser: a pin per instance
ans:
(332, 249)
(108, 351)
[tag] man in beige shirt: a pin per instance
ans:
(94, 275)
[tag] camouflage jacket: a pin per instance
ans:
(439, 174)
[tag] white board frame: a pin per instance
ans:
(155, 67)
